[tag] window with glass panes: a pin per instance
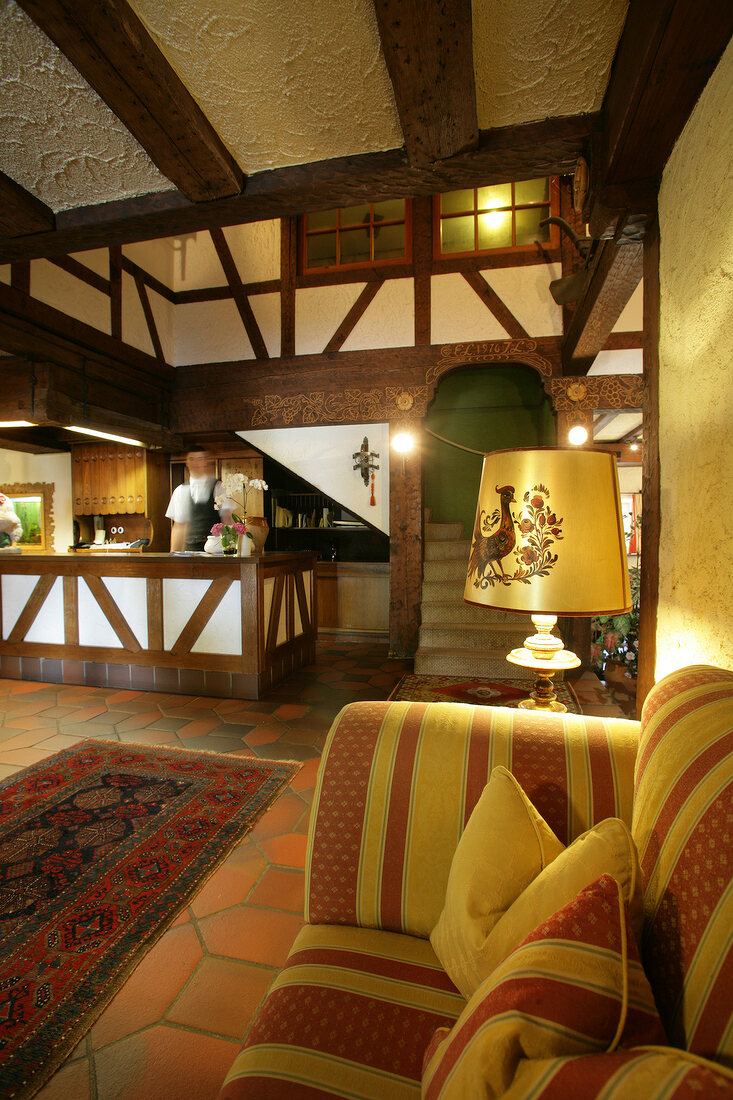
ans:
(500, 217)
(367, 234)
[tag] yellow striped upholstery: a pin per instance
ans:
(682, 825)
(349, 1015)
(399, 780)
(646, 1073)
(574, 985)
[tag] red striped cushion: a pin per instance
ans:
(349, 1015)
(662, 1073)
(683, 825)
(398, 782)
(574, 986)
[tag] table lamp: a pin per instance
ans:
(548, 540)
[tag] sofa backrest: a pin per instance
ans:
(398, 781)
(683, 828)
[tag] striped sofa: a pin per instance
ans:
(354, 1010)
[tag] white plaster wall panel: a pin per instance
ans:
(319, 311)
(19, 468)
(256, 250)
(134, 326)
(268, 587)
(96, 259)
(155, 257)
(55, 287)
(322, 456)
(16, 592)
(623, 361)
(308, 582)
(164, 317)
(266, 308)
(696, 385)
(94, 627)
(632, 315)
(195, 263)
(181, 597)
(389, 320)
(210, 332)
(297, 620)
(312, 76)
(223, 632)
(5, 274)
(525, 291)
(629, 479)
(281, 635)
(130, 595)
(534, 59)
(60, 140)
(458, 314)
(48, 627)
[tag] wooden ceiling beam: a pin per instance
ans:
(21, 212)
(428, 49)
(613, 277)
(550, 147)
(666, 54)
(112, 49)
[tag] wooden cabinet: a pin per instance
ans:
(111, 479)
(353, 597)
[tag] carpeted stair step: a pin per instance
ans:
(450, 611)
(443, 550)
(439, 532)
(448, 569)
(486, 664)
(472, 635)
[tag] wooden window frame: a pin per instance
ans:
(554, 238)
(371, 264)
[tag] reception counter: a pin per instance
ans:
(191, 624)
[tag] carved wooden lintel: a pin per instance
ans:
(602, 391)
(490, 351)
(352, 406)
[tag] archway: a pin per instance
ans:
(484, 408)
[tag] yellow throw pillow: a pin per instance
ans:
(504, 845)
(606, 849)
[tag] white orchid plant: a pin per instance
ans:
(236, 489)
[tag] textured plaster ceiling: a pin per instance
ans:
(283, 82)
(59, 139)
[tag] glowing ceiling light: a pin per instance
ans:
(578, 435)
(105, 435)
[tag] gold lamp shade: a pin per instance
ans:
(549, 535)
(548, 540)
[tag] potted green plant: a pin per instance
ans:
(614, 643)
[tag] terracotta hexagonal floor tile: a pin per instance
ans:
(287, 850)
(221, 997)
(280, 889)
(71, 1080)
(262, 936)
(231, 882)
(145, 996)
(162, 1063)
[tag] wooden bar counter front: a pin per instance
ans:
(196, 625)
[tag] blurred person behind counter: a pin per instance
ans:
(192, 508)
(11, 528)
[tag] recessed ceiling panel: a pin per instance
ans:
(61, 141)
(282, 81)
(537, 59)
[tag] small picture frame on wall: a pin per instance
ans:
(33, 505)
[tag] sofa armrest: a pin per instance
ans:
(398, 781)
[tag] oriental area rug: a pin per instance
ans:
(101, 846)
(467, 689)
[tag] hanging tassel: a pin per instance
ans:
(372, 501)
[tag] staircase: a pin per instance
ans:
(457, 638)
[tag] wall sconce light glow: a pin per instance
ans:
(17, 424)
(106, 435)
(634, 447)
(403, 443)
(578, 435)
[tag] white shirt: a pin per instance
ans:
(198, 489)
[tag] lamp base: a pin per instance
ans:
(544, 654)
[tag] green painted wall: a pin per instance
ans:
(489, 409)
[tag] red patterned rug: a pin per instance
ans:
(101, 846)
(467, 689)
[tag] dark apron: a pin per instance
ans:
(203, 516)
